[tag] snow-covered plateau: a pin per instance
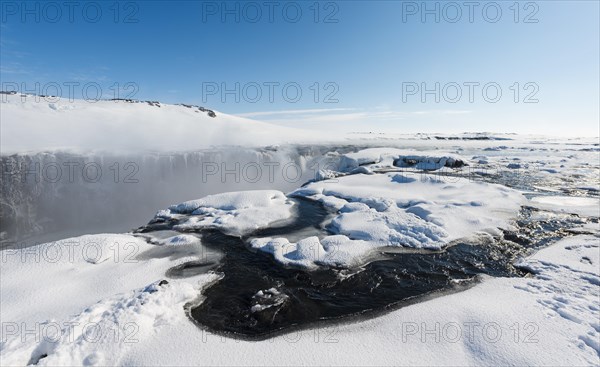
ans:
(225, 244)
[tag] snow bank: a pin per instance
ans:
(383, 210)
(236, 213)
(584, 206)
(368, 156)
(69, 269)
(102, 334)
(180, 240)
(392, 157)
(34, 123)
(118, 299)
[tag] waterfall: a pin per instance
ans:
(46, 196)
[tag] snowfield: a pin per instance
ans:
(33, 123)
(79, 293)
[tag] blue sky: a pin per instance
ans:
(364, 59)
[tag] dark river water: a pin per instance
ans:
(257, 298)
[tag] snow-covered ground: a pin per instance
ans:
(113, 299)
(235, 213)
(34, 123)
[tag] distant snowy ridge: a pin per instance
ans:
(34, 123)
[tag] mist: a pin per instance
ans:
(47, 196)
